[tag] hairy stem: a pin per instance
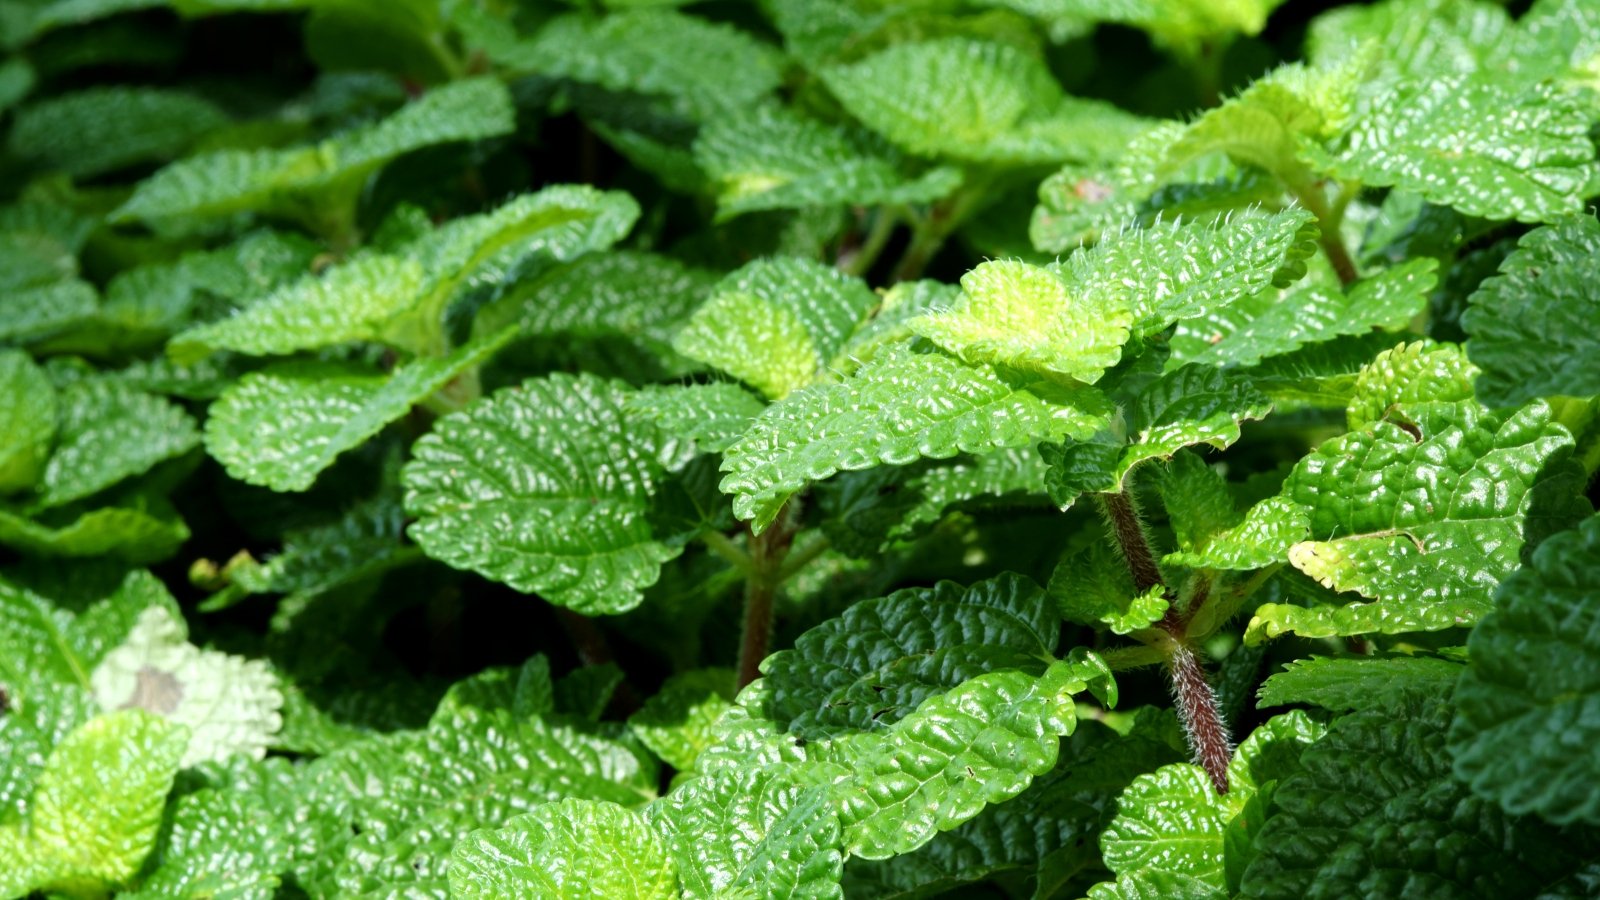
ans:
(1128, 529)
(767, 552)
(1201, 717)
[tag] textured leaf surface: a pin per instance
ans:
(1529, 324)
(1425, 519)
(1474, 144)
(757, 832)
(99, 130)
(218, 844)
(775, 323)
(1172, 271)
(1192, 405)
(1405, 376)
(1169, 825)
(1276, 322)
(676, 722)
(1093, 587)
(712, 415)
(107, 433)
(97, 806)
(569, 849)
(880, 660)
(768, 158)
(546, 487)
(281, 427)
(900, 407)
(1016, 314)
(1358, 683)
(1210, 531)
(1272, 122)
(144, 532)
(1529, 705)
(1376, 814)
(227, 703)
(27, 421)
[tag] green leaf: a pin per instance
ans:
(43, 312)
(524, 692)
(1172, 271)
(1420, 38)
(1527, 704)
(1016, 314)
(218, 844)
(976, 101)
(1210, 531)
(281, 427)
(146, 531)
(711, 415)
(1185, 27)
(570, 849)
(36, 720)
(228, 704)
(675, 723)
(1276, 322)
(1528, 323)
(1358, 683)
(233, 181)
(770, 158)
(546, 487)
(1092, 587)
(1483, 147)
(1168, 831)
(775, 323)
(103, 129)
(1272, 753)
(27, 421)
(900, 407)
(16, 81)
(639, 51)
(1376, 814)
(1405, 376)
(60, 639)
(1189, 406)
(757, 832)
(107, 433)
(883, 658)
(97, 807)
(1424, 517)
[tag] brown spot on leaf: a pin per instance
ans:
(155, 691)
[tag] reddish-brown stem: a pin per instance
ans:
(1202, 719)
(767, 552)
(1128, 529)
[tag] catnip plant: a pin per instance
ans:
(801, 448)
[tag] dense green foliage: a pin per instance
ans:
(799, 448)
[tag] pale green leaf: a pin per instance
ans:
(1021, 315)
(1475, 144)
(229, 704)
(1184, 26)
(1529, 704)
(900, 407)
(283, 426)
(107, 433)
(1276, 322)
(1192, 405)
(711, 415)
(770, 158)
(1420, 38)
(883, 658)
(1529, 325)
(675, 723)
(27, 421)
(145, 531)
(525, 692)
(1424, 518)
(103, 129)
(219, 844)
(546, 487)
(977, 101)
(890, 325)
(759, 833)
(571, 849)
(1405, 376)
(36, 720)
(1359, 682)
(775, 323)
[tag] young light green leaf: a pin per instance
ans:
(281, 427)
(1528, 324)
(878, 662)
(147, 530)
(1476, 144)
(712, 415)
(229, 704)
(900, 407)
(1016, 314)
(1405, 376)
(759, 833)
(1276, 322)
(1211, 533)
(976, 101)
(775, 323)
(1169, 825)
(1172, 271)
(1358, 683)
(233, 181)
(97, 808)
(102, 129)
(1420, 38)
(38, 718)
(1185, 27)
(1528, 701)
(1192, 405)
(1424, 517)
(769, 158)
(107, 433)
(675, 723)
(570, 849)
(546, 487)
(27, 421)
